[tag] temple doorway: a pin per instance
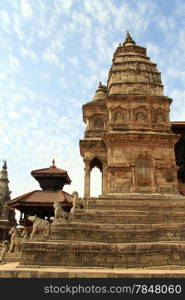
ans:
(96, 178)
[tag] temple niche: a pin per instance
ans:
(128, 128)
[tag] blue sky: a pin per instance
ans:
(53, 53)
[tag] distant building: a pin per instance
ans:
(7, 216)
(40, 202)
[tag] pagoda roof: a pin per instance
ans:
(51, 170)
(40, 198)
(51, 178)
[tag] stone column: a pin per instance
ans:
(153, 175)
(104, 179)
(110, 115)
(133, 166)
(87, 179)
(87, 124)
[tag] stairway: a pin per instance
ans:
(123, 231)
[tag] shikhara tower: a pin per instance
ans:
(128, 132)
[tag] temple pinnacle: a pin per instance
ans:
(4, 165)
(128, 39)
(100, 85)
(53, 162)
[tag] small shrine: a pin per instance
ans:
(40, 202)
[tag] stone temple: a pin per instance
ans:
(138, 222)
(128, 132)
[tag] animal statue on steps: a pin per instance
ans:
(61, 214)
(25, 234)
(15, 240)
(39, 226)
(73, 209)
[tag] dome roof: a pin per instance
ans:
(132, 72)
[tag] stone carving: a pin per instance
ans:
(140, 116)
(39, 226)
(77, 201)
(66, 216)
(25, 234)
(169, 176)
(159, 118)
(15, 240)
(98, 124)
(118, 116)
(60, 214)
(58, 210)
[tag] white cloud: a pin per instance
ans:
(73, 61)
(63, 6)
(25, 8)
(28, 52)
(14, 63)
(63, 82)
(52, 58)
(5, 21)
(17, 26)
(153, 50)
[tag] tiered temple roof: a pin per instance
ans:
(40, 202)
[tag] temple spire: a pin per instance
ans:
(100, 85)
(128, 39)
(4, 165)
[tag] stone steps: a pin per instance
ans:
(108, 226)
(130, 204)
(157, 207)
(121, 235)
(13, 270)
(140, 231)
(11, 257)
(132, 217)
(127, 212)
(94, 254)
(140, 198)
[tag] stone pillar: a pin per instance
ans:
(87, 124)
(133, 166)
(87, 179)
(104, 179)
(153, 175)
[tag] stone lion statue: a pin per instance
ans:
(39, 226)
(15, 240)
(58, 210)
(61, 214)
